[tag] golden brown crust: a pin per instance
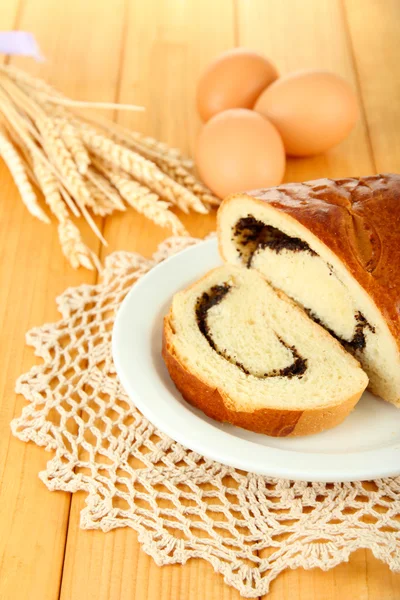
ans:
(274, 422)
(358, 220)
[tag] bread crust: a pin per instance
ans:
(274, 422)
(358, 219)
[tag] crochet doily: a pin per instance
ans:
(182, 505)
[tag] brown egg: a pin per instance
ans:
(239, 150)
(312, 110)
(233, 80)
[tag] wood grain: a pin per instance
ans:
(152, 53)
(33, 271)
(374, 30)
(29, 558)
(169, 56)
(160, 68)
(314, 35)
(308, 35)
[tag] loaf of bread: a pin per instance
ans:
(246, 354)
(334, 247)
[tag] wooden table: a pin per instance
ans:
(151, 52)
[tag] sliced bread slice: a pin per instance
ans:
(246, 354)
(334, 247)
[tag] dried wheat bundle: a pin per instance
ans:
(88, 167)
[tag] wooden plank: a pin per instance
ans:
(374, 31)
(167, 45)
(32, 521)
(308, 34)
(8, 16)
(113, 566)
(305, 34)
(33, 272)
(364, 577)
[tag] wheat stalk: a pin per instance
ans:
(169, 161)
(74, 249)
(88, 166)
(145, 145)
(50, 187)
(143, 170)
(186, 179)
(19, 173)
(102, 206)
(104, 185)
(28, 142)
(75, 146)
(63, 160)
(147, 203)
(29, 82)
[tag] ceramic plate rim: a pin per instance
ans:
(189, 429)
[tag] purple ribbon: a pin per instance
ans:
(20, 43)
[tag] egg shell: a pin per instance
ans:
(312, 110)
(239, 150)
(233, 80)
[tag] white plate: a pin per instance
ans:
(365, 446)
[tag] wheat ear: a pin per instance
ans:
(72, 246)
(18, 171)
(178, 173)
(29, 82)
(102, 206)
(146, 172)
(102, 183)
(14, 122)
(76, 165)
(62, 158)
(76, 252)
(50, 187)
(175, 167)
(75, 146)
(147, 203)
(143, 144)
